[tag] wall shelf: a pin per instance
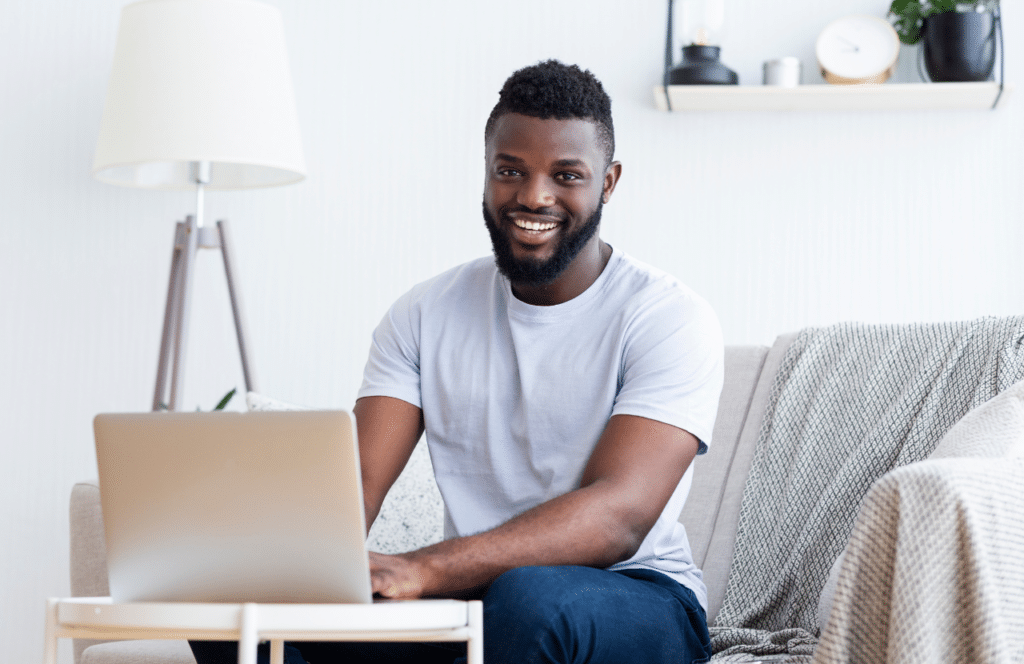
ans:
(824, 97)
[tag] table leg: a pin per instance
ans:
(475, 643)
(248, 638)
(50, 652)
(277, 651)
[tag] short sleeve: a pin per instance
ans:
(673, 365)
(393, 366)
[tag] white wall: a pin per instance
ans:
(780, 220)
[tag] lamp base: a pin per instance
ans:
(700, 66)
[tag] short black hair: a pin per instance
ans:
(551, 89)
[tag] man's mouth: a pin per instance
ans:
(534, 225)
(532, 230)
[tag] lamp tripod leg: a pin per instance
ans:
(227, 253)
(184, 299)
(170, 316)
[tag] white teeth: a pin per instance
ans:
(533, 225)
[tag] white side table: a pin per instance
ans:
(416, 620)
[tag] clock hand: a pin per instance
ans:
(856, 49)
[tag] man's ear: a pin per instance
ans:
(611, 178)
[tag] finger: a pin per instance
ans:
(378, 566)
(379, 584)
(383, 583)
(388, 585)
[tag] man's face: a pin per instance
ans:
(543, 193)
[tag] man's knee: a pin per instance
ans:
(526, 583)
(528, 617)
(526, 593)
(573, 614)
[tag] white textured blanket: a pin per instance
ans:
(850, 403)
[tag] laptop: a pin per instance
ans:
(233, 507)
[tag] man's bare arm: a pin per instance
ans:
(388, 430)
(627, 482)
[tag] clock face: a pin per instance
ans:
(857, 48)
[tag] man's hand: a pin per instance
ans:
(396, 577)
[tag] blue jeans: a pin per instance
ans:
(544, 615)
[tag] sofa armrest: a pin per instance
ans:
(934, 571)
(88, 550)
(88, 546)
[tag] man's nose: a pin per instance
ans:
(536, 193)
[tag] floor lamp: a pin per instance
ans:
(200, 98)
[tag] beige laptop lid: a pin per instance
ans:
(233, 507)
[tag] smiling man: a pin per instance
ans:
(564, 389)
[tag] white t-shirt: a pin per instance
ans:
(516, 396)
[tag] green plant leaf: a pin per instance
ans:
(900, 7)
(909, 19)
(224, 402)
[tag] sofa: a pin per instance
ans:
(712, 517)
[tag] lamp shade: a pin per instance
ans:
(200, 81)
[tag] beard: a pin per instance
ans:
(532, 272)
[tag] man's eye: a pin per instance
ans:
(508, 172)
(567, 176)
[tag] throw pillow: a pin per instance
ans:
(257, 402)
(412, 515)
(994, 429)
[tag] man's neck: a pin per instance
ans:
(572, 282)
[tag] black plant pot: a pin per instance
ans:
(959, 46)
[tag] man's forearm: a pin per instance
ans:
(578, 528)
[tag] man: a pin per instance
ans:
(564, 389)
(563, 392)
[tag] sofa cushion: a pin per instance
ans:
(139, 652)
(718, 559)
(742, 369)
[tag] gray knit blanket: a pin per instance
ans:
(850, 403)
